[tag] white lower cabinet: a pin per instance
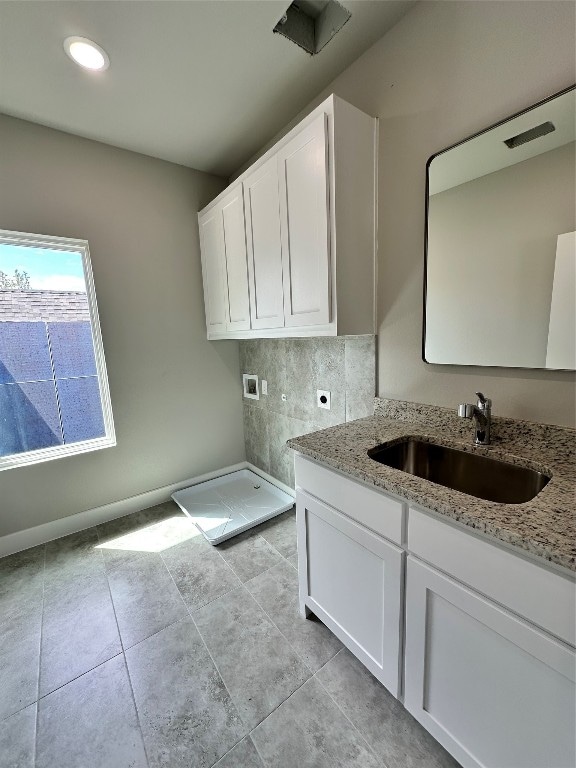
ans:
(493, 689)
(479, 645)
(351, 579)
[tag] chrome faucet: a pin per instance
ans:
(481, 413)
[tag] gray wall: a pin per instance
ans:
(444, 72)
(503, 228)
(345, 366)
(175, 396)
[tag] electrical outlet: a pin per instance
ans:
(323, 398)
(264, 386)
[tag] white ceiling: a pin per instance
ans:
(202, 83)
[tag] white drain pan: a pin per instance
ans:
(232, 503)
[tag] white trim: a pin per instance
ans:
(293, 332)
(55, 452)
(40, 534)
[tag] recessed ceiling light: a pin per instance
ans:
(86, 53)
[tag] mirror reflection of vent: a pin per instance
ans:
(533, 133)
(311, 24)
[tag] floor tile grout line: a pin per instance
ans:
(242, 585)
(35, 750)
(266, 569)
(233, 747)
(277, 518)
(190, 615)
(371, 750)
(201, 636)
(205, 605)
(246, 736)
(278, 707)
(331, 659)
(18, 711)
(232, 567)
(128, 565)
(280, 704)
(265, 763)
(308, 667)
(124, 657)
(312, 673)
(188, 608)
(108, 573)
(73, 680)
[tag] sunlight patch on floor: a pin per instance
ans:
(155, 537)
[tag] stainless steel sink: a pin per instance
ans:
(479, 476)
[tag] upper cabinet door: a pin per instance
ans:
(237, 299)
(264, 246)
(213, 270)
(303, 176)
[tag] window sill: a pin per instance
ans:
(55, 452)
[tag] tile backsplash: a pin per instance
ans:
(297, 368)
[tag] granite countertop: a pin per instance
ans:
(544, 526)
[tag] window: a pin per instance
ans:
(54, 396)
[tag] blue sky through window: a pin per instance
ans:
(49, 270)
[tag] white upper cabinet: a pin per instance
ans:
(238, 302)
(303, 169)
(212, 248)
(264, 246)
(308, 217)
(224, 268)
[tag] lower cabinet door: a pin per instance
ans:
(352, 580)
(494, 690)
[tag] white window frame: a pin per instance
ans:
(65, 244)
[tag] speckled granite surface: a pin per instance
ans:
(544, 526)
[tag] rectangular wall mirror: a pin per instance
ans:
(500, 277)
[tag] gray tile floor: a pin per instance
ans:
(136, 644)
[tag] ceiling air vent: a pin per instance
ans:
(311, 24)
(533, 133)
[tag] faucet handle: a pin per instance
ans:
(483, 402)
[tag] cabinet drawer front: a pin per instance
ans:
(546, 598)
(377, 511)
(351, 579)
(264, 246)
(494, 690)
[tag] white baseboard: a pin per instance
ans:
(41, 534)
